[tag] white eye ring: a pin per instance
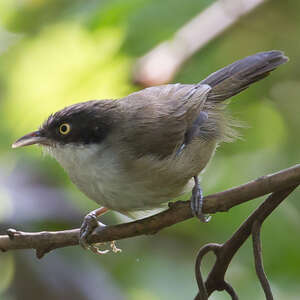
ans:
(64, 128)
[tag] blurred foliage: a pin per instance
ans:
(57, 52)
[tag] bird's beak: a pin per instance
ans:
(31, 139)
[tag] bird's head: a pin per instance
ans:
(79, 124)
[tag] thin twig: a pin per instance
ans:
(257, 252)
(202, 295)
(216, 278)
(179, 211)
(230, 290)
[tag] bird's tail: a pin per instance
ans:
(236, 77)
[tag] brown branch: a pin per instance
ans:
(259, 268)
(179, 211)
(225, 252)
(230, 290)
(202, 295)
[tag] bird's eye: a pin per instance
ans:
(64, 128)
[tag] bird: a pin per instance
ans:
(133, 155)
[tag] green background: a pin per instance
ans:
(57, 52)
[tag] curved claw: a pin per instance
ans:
(97, 250)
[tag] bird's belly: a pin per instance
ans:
(121, 193)
(137, 184)
(104, 179)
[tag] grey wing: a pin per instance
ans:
(160, 119)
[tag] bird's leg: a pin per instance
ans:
(197, 202)
(88, 225)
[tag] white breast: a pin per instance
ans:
(143, 184)
(93, 169)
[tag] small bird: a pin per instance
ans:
(134, 154)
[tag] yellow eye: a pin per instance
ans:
(64, 128)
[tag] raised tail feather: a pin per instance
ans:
(236, 77)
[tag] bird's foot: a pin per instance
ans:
(197, 202)
(89, 224)
(114, 248)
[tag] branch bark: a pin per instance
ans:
(225, 252)
(231, 246)
(259, 267)
(179, 211)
